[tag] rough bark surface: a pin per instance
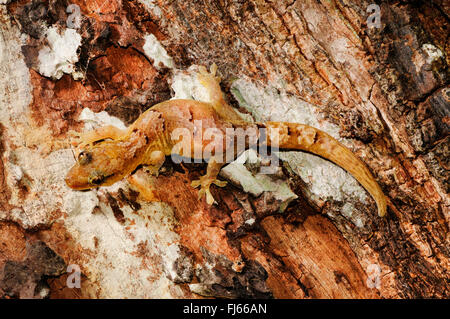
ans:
(384, 92)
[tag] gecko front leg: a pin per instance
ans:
(209, 178)
(142, 182)
(101, 133)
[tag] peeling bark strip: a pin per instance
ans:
(383, 91)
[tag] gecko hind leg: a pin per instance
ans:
(209, 178)
(153, 162)
(212, 83)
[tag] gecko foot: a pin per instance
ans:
(211, 82)
(208, 76)
(205, 182)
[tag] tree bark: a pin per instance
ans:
(381, 90)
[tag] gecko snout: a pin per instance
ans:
(75, 179)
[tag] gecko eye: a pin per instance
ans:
(96, 178)
(84, 158)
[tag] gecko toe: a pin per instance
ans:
(209, 198)
(205, 183)
(196, 183)
(220, 183)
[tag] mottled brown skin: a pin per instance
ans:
(108, 154)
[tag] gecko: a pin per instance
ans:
(108, 154)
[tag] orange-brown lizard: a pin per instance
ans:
(108, 154)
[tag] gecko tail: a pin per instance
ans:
(293, 136)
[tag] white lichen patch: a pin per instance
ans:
(127, 257)
(43, 177)
(258, 183)
(15, 97)
(348, 210)
(250, 221)
(15, 172)
(339, 47)
(60, 55)
(152, 7)
(15, 84)
(325, 179)
(93, 120)
(433, 53)
(425, 57)
(156, 52)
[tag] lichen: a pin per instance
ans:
(60, 55)
(125, 255)
(15, 84)
(432, 52)
(155, 51)
(151, 6)
(258, 183)
(92, 120)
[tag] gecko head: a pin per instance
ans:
(96, 165)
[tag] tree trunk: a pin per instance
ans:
(308, 231)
